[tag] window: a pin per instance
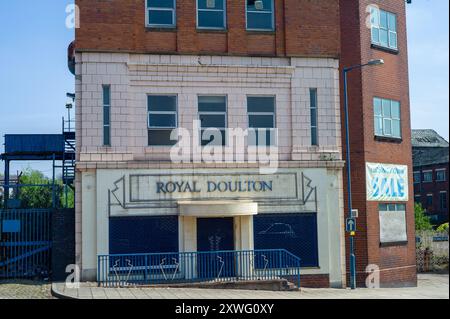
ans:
(161, 13)
(428, 176)
(441, 175)
(429, 200)
(212, 112)
(417, 177)
(392, 223)
(417, 199)
(387, 118)
(106, 115)
(261, 120)
(260, 15)
(211, 14)
(297, 233)
(384, 28)
(162, 119)
(314, 117)
(443, 201)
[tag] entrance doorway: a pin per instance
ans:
(215, 244)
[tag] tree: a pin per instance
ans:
(41, 196)
(443, 228)
(422, 221)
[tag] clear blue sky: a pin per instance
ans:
(34, 77)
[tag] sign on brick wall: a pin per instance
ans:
(386, 182)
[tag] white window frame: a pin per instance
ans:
(212, 10)
(106, 106)
(390, 119)
(260, 12)
(427, 171)
(316, 108)
(377, 25)
(274, 114)
(225, 114)
(174, 16)
(162, 128)
(445, 175)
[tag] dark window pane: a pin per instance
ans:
(212, 104)
(106, 135)
(211, 19)
(259, 21)
(261, 121)
(261, 104)
(209, 121)
(217, 4)
(106, 115)
(314, 139)
(162, 103)
(160, 3)
(208, 136)
(313, 97)
(162, 120)
(383, 207)
(160, 17)
(314, 117)
(267, 5)
(261, 137)
(106, 95)
(137, 235)
(297, 233)
(160, 138)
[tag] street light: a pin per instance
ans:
(349, 178)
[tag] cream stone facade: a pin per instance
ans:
(125, 180)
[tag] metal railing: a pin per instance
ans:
(196, 267)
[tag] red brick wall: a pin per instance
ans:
(388, 81)
(303, 28)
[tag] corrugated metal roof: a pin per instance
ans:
(427, 138)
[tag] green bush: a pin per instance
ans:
(422, 221)
(443, 228)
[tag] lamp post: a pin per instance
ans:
(349, 178)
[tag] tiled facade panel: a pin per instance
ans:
(117, 25)
(133, 77)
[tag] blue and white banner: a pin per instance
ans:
(386, 182)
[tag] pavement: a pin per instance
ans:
(25, 289)
(430, 286)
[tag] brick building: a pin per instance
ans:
(145, 68)
(431, 167)
(380, 132)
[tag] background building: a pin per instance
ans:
(431, 167)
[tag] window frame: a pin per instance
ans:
(423, 177)
(429, 195)
(398, 208)
(197, 9)
(445, 175)
(415, 173)
(272, 12)
(316, 108)
(391, 119)
(274, 113)
(154, 25)
(389, 31)
(106, 107)
(443, 199)
(213, 113)
(162, 128)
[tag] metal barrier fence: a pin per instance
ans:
(432, 251)
(194, 267)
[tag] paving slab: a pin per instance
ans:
(430, 286)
